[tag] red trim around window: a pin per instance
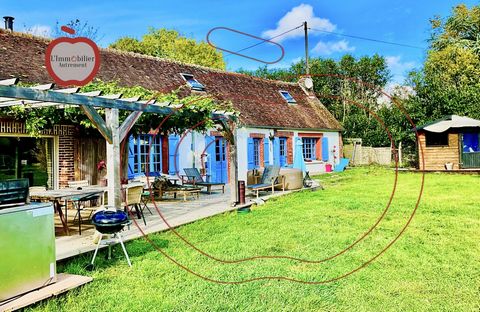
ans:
(318, 142)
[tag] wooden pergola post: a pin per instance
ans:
(113, 159)
(233, 169)
(230, 130)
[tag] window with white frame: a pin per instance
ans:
(146, 154)
(309, 148)
(256, 152)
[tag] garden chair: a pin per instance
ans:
(146, 191)
(193, 177)
(270, 178)
(133, 196)
(91, 202)
(163, 186)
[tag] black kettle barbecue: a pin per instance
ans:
(110, 222)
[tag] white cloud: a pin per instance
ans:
(295, 17)
(330, 47)
(397, 67)
(39, 30)
(395, 89)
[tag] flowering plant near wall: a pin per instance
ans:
(334, 154)
(102, 165)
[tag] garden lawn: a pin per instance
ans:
(433, 266)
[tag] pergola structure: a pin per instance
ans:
(110, 128)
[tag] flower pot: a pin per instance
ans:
(103, 182)
(449, 166)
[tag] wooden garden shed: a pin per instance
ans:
(451, 143)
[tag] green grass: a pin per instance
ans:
(434, 266)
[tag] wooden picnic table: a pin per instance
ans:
(65, 194)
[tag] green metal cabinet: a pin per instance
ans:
(27, 248)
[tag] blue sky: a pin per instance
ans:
(402, 21)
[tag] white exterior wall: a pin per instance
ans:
(190, 150)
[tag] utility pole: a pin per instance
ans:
(305, 28)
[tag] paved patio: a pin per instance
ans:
(176, 212)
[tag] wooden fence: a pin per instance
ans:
(367, 155)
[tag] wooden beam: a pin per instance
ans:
(128, 124)
(112, 96)
(8, 82)
(47, 86)
(132, 99)
(98, 122)
(78, 99)
(64, 97)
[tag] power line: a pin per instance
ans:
(368, 39)
(261, 42)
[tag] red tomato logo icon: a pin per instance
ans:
(72, 61)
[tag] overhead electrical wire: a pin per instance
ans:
(266, 40)
(367, 39)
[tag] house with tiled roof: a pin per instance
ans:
(273, 116)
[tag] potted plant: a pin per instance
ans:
(102, 172)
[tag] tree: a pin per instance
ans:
(330, 79)
(170, 44)
(449, 82)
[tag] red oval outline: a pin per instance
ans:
(248, 35)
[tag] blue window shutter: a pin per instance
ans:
(250, 158)
(159, 153)
(266, 152)
(172, 160)
(276, 151)
(210, 161)
(325, 149)
(131, 157)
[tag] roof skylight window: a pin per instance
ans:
(193, 83)
(288, 97)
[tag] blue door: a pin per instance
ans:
(283, 152)
(220, 163)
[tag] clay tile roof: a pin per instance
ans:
(258, 100)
